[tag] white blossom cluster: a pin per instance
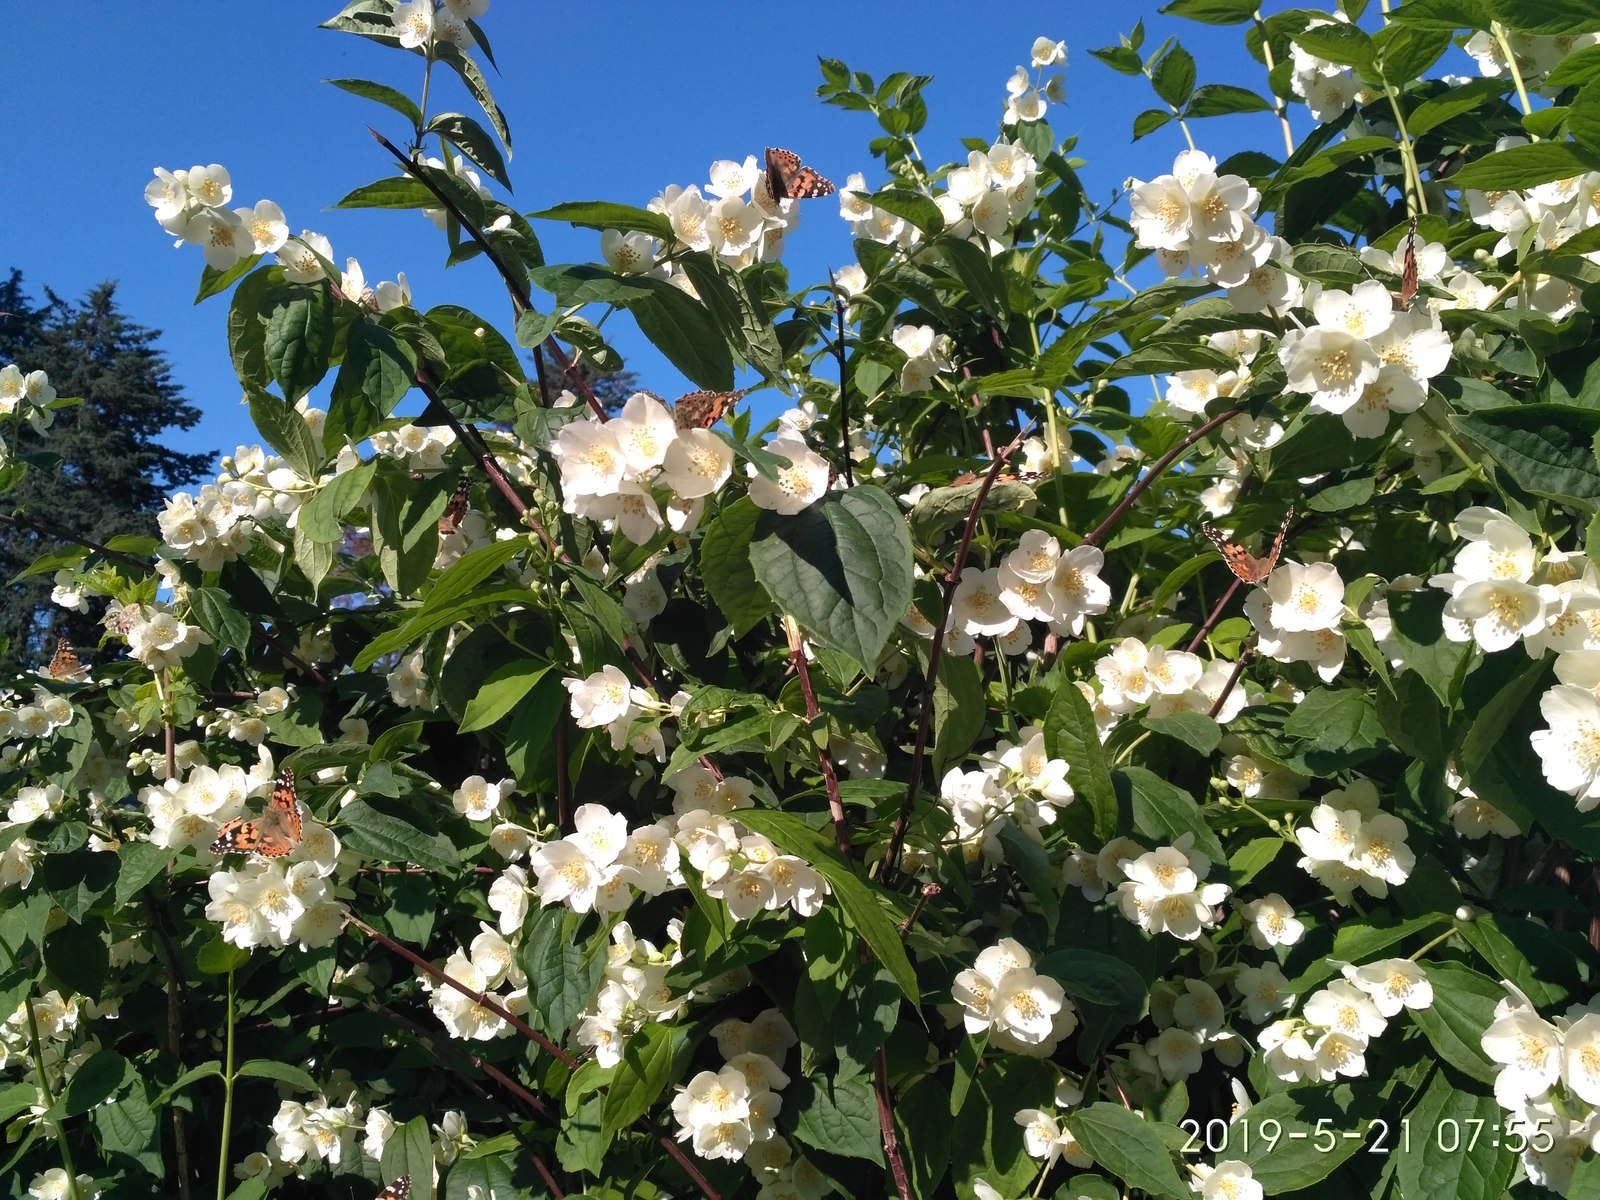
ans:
(1045, 1136)
(1536, 55)
(1196, 219)
(28, 396)
(39, 718)
(1502, 592)
(1328, 88)
(1019, 1009)
(421, 24)
(57, 1019)
(1338, 1022)
(1548, 1081)
(734, 217)
(1136, 674)
(186, 812)
(322, 1130)
(1161, 890)
(731, 1113)
(489, 963)
(609, 468)
(1188, 1022)
(247, 724)
(54, 1185)
(1352, 844)
(1028, 96)
(633, 992)
(1297, 613)
(1018, 784)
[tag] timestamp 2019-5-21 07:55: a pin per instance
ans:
(1382, 1136)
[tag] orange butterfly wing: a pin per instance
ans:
(65, 664)
(790, 179)
(1240, 561)
(703, 409)
(1408, 272)
(276, 832)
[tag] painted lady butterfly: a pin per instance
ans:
(1408, 273)
(65, 664)
(789, 179)
(1240, 561)
(398, 1190)
(450, 520)
(702, 410)
(274, 833)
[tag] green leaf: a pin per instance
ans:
(1517, 168)
(1165, 812)
(1193, 729)
(398, 191)
(680, 327)
(1250, 859)
(1446, 15)
(1550, 18)
(948, 507)
(562, 972)
(1359, 940)
(1289, 1163)
(1032, 865)
(457, 584)
(1211, 12)
(842, 567)
(128, 1131)
(137, 864)
(502, 691)
(1127, 1145)
(1463, 1007)
(214, 282)
(1338, 42)
(409, 1151)
(1521, 952)
(474, 141)
(321, 516)
(78, 957)
(1455, 101)
(1094, 978)
(602, 214)
(213, 610)
(103, 1076)
(378, 835)
(1224, 99)
(192, 1075)
(397, 100)
(1337, 725)
(218, 957)
(1418, 623)
(378, 365)
(725, 567)
(737, 310)
(285, 430)
(959, 710)
(1455, 1152)
(839, 1116)
(653, 1058)
(266, 1068)
(1547, 448)
(1405, 53)
(865, 909)
(1070, 734)
(299, 339)
(1173, 76)
(912, 207)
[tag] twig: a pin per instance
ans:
(927, 892)
(1154, 473)
(886, 1129)
(830, 777)
(1213, 617)
(483, 1000)
(844, 404)
(290, 657)
(433, 1046)
(521, 301)
(1245, 656)
(66, 535)
(175, 1017)
(936, 652)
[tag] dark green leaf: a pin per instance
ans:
(839, 1116)
(1165, 812)
(1455, 1151)
(1463, 1007)
(725, 566)
(680, 327)
(299, 339)
(1070, 734)
(1517, 168)
(1127, 1145)
(1173, 76)
(377, 835)
(473, 140)
(602, 214)
(959, 710)
(285, 430)
(653, 1058)
(397, 100)
(1546, 448)
(502, 691)
(267, 1068)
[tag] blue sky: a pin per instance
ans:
(607, 100)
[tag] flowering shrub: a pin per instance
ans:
(914, 796)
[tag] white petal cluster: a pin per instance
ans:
(1136, 674)
(490, 963)
(1197, 219)
(1350, 843)
(1328, 89)
(1017, 784)
(731, 1113)
(29, 396)
(1297, 613)
(633, 992)
(1020, 1009)
(1028, 96)
(315, 1132)
(186, 812)
(1162, 890)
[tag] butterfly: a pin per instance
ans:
(398, 1190)
(789, 179)
(1408, 273)
(65, 664)
(274, 833)
(455, 510)
(703, 409)
(1240, 561)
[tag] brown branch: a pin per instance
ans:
(521, 300)
(434, 1046)
(483, 1000)
(1155, 472)
(844, 405)
(830, 777)
(66, 535)
(1213, 617)
(886, 1129)
(927, 892)
(936, 652)
(290, 657)
(1245, 656)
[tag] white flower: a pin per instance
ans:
(1346, 1008)
(265, 224)
(1231, 1179)
(593, 461)
(630, 253)
(797, 485)
(1272, 922)
(566, 875)
(1393, 984)
(1333, 366)
(477, 798)
(301, 257)
(1264, 990)
(1580, 1058)
(697, 463)
(1500, 612)
(1569, 750)
(646, 430)
(414, 22)
(1528, 1049)
(53, 1185)
(601, 698)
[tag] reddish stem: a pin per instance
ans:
(830, 777)
(1155, 472)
